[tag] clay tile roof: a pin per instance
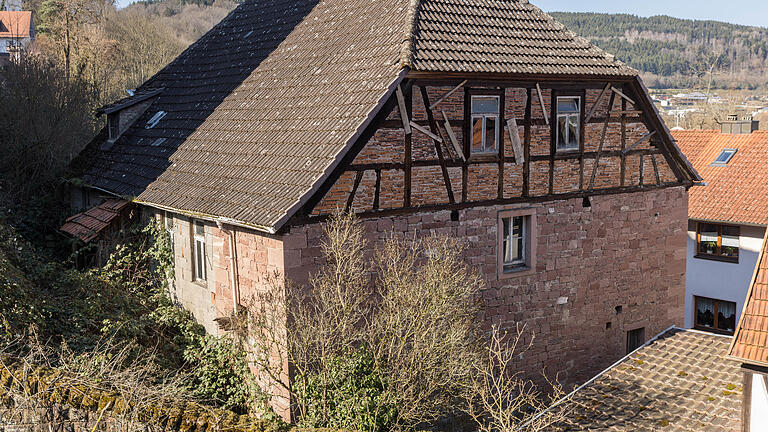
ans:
(750, 342)
(15, 24)
(86, 226)
(681, 381)
(261, 109)
(501, 36)
(735, 192)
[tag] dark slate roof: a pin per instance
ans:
(679, 381)
(750, 343)
(261, 109)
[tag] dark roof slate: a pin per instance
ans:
(679, 381)
(261, 108)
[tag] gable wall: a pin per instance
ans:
(626, 250)
(385, 155)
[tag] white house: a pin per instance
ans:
(727, 217)
(16, 32)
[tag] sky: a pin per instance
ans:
(747, 12)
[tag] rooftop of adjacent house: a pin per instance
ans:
(750, 341)
(735, 170)
(679, 381)
(255, 115)
(15, 24)
(88, 225)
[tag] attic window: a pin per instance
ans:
(155, 119)
(113, 125)
(725, 157)
(158, 142)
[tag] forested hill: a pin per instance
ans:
(674, 52)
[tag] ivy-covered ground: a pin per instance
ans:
(123, 307)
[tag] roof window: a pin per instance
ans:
(155, 119)
(158, 142)
(725, 156)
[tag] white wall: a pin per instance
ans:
(759, 410)
(721, 280)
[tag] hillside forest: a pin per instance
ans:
(679, 53)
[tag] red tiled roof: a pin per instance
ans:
(15, 24)
(750, 343)
(87, 225)
(735, 192)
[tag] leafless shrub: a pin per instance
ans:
(414, 308)
(501, 397)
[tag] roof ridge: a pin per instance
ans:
(409, 33)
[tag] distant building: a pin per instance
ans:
(16, 32)
(726, 221)
(690, 98)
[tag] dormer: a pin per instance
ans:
(123, 113)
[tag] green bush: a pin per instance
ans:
(353, 389)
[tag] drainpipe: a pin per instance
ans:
(234, 279)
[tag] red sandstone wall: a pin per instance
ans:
(626, 250)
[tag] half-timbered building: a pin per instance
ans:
(486, 121)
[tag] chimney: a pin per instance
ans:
(734, 125)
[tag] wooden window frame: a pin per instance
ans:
(642, 338)
(714, 328)
(716, 256)
(113, 125)
(491, 155)
(529, 233)
(556, 96)
(199, 270)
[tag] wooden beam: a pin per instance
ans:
(541, 102)
(600, 148)
(552, 143)
(351, 198)
(514, 135)
(623, 161)
(452, 136)
(408, 142)
(403, 111)
(655, 169)
(492, 202)
(642, 169)
(438, 146)
(597, 102)
(527, 145)
(618, 92)
(638, 142)
(447, 95)
(377, 190)
(426, 132)
(502, 148)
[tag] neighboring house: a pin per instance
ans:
(727, 218)
(680, 380)
(750, 347)
(16, 32)
(486, 121)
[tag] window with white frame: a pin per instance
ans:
(513, 242)
(516, 246)
(199, 251)
(567, 129)
(485, 124)
(168, 222)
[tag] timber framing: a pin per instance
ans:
(635, 108)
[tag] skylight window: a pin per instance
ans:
(155, 119)
(158, 142)
(724, 157)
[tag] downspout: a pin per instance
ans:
(234, 279)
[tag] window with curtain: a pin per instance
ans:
(568, 123)
(485, 124)
(718, 242)
(718, 316)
